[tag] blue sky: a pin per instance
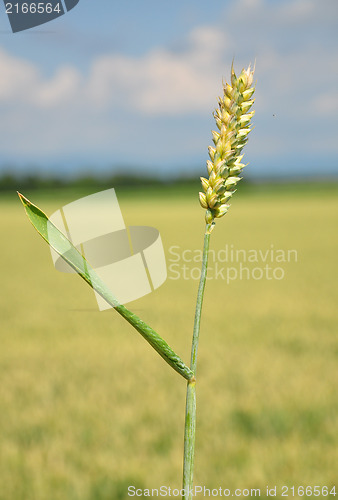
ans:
(132, 85)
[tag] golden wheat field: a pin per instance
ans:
(87, 408)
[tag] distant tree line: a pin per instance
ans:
(10, 181)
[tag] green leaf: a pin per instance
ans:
(58, 241)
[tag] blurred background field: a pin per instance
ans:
(88, 408)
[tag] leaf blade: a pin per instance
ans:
(60, 243)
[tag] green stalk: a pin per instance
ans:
(190, 411)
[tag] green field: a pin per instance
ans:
(88, 408)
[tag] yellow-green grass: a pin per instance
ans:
(88, 408)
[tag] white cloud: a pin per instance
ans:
(22, 83)
(17, 78)
(163, 81)
(167, 82)
(62, 88)
(326, 104)
(296, 73)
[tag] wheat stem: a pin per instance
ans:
(190, 411)
(224, 169)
